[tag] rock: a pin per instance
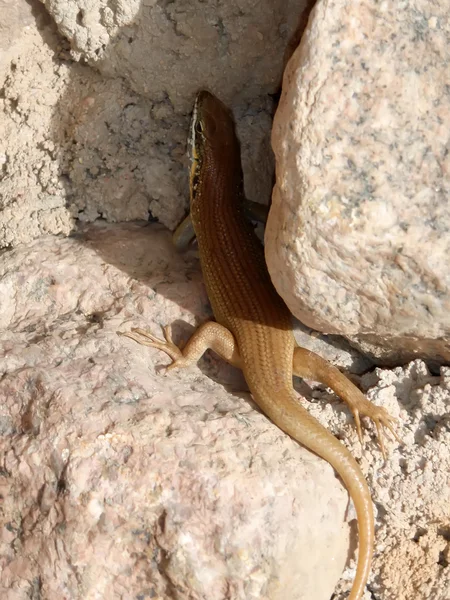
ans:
(170, 50)
(108, 140)
(358, 236)
(32, 194)
(333, 348)
(118, 481)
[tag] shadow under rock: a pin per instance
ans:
(145, 252)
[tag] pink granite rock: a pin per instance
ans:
(119, 482)
(116, 481)
(358, 237)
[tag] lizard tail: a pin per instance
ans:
(293, 419)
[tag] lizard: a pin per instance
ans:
(253, 326)
(184, 233)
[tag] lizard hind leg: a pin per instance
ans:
(312, 366)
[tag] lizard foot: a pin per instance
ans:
(380, 417)
(167, 345)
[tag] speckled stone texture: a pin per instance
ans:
(96, 97)
(358, 237)
(118, 482)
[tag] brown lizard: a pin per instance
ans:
(253, 329)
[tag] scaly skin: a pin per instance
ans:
(253, 329)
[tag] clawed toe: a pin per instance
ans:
(382, 419)
(146, 338)
(167, 330)
(140, 336)
(358, 425)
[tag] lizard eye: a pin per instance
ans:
(199, 127)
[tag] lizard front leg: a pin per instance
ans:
(310, 365)
(209, 336)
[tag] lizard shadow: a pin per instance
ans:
(145, 252)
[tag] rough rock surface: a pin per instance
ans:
(359, 232)
(117, 481)
(109, 140)
(168, 50)
(32, 198)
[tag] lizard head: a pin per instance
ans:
(212, 140)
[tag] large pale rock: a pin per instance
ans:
(118, 482)
(358, 237)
